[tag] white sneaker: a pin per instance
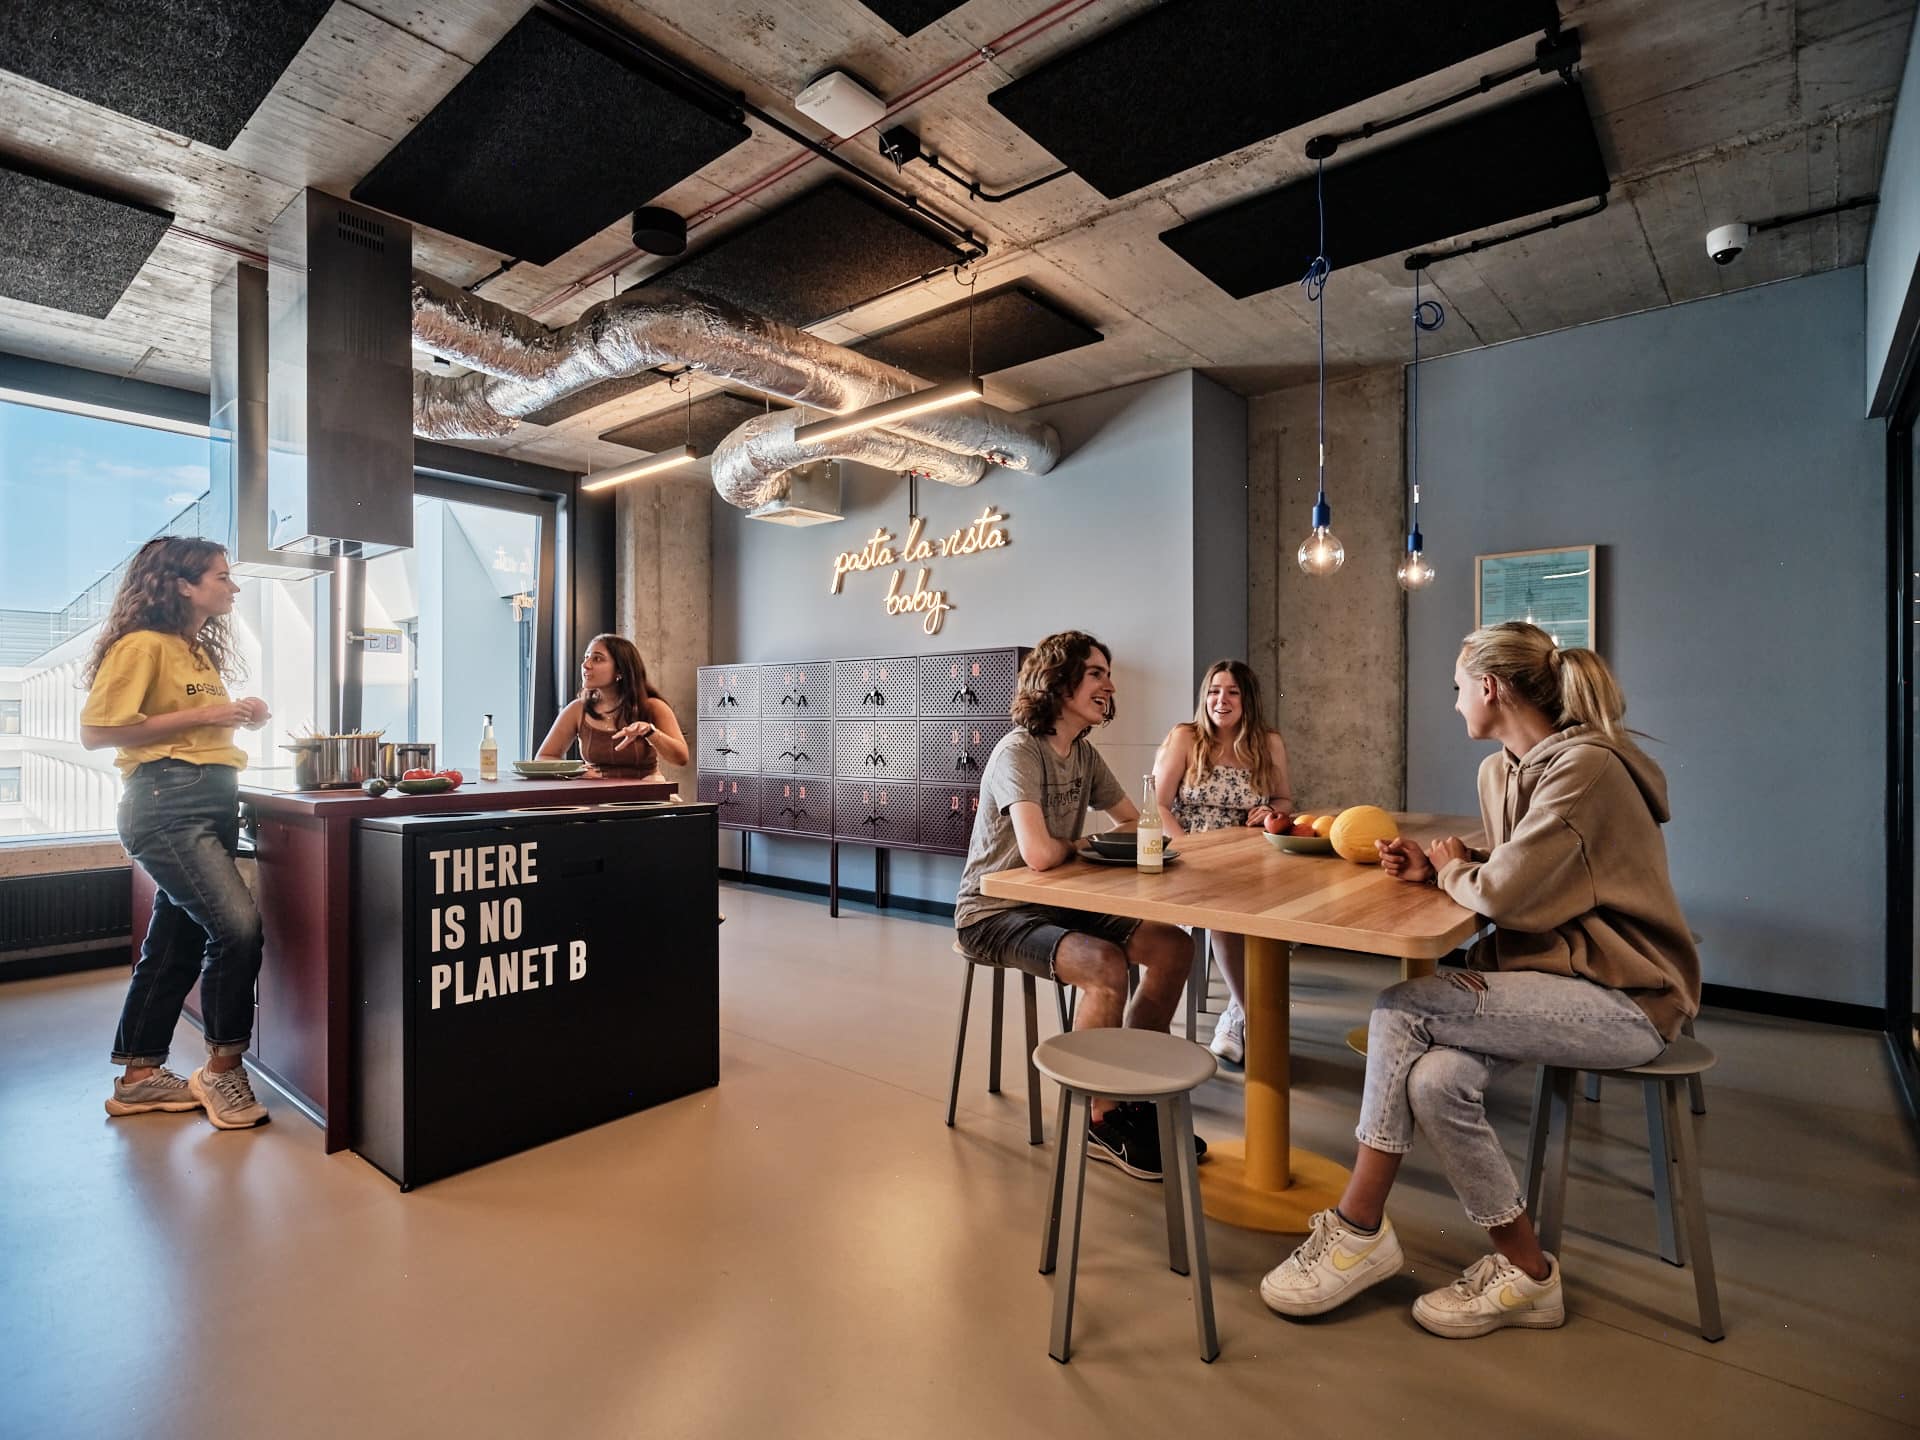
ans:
(1493, 1293)
(1230, 1035)
(1335, 1264)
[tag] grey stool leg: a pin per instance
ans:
(999, 1022)
(1073, 1187)
(1553, 1197)
(1693, 1205)
(1537, 1128)
(1050, 1237)
(1060, 999)
(1196, 1224)
(1034, 1136)
(1593, 1087)
(1196, 984)
(960, 1039)
(1660, 1156)
(1696, 1088)
(1176, 1220)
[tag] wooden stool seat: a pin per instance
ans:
(1140, 1065)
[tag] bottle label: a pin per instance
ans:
(1148, 848)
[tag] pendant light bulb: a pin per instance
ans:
(1413, 572)
(1321, 553)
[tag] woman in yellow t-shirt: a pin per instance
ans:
(157, 694)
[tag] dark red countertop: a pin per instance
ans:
(270, 792)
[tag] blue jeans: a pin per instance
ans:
(181, 824)
(1434, 1045)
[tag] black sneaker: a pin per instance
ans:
(1130, 1138)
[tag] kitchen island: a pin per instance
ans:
(305, 884)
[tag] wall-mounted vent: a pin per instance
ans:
(362, 230)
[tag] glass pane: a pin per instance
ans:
(1913, 712)
(78, 495)
(451, 622)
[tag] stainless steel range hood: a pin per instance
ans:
(339, 379)
(238, 513)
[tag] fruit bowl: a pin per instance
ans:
(1300, 844)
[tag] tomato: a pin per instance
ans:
(455, 776)
(418, 775)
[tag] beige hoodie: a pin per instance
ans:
(1576, 881)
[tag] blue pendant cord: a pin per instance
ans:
(1428, 315)
(1314, 285)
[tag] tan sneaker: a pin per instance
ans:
(1493, 1294)
(162, 1090)
(228, 1097)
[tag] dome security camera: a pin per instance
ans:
(1725, 242)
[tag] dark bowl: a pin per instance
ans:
(1115, 842)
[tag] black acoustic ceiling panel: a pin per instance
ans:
(1193, 79)
(910, 17)
(603, 393)
(1503, 163)
(549, 139)
(70, 248)
(1010, 327)
(199, 68)
(827, 251)
(715, 417)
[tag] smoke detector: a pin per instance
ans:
(813, 497)
(659, 231)
(840, 103)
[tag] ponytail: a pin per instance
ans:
(1570, 687)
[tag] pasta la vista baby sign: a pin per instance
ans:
(985, 533)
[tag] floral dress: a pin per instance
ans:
(1220, 802)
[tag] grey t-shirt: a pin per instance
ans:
(1025, 767)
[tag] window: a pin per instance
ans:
(9, 717)
(10, 786)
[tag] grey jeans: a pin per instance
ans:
(1435, 1044)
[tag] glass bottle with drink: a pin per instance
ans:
(489, 753)
(1150, 845)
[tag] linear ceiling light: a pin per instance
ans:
(937, 397)
(639, 469)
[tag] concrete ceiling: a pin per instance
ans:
(1708, 111)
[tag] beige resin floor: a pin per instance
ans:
(807, 1251)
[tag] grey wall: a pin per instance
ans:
(663, 575)
(1893, 251)
(1105, 543)
(1715, 451)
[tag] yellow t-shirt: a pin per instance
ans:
(149, 673)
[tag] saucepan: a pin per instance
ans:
(333, 762)
(399, 756)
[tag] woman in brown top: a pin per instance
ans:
(621, 725)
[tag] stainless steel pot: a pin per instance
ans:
(333, 762)
(399, 756)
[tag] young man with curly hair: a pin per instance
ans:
(1035, 792)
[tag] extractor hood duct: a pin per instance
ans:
(340, 465)
(238, 514)
(523, 366)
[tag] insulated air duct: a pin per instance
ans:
(522, 366)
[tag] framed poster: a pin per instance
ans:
(1553, 589)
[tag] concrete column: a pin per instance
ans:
(1331, 652)
(663, 587)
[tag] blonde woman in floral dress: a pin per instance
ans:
(1225, 768)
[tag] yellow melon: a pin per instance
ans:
(1356, 828)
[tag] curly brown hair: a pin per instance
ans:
(1049, 675)
(631, 688)
(149, 598)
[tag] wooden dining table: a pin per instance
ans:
(1237, 882)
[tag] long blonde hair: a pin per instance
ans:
(1248, 748)
(149, 598)
(1570, 686)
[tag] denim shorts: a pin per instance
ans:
(1026, 938)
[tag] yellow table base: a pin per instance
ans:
(1227, 1197)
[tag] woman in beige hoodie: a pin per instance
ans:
(1590, 966)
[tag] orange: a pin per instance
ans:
(1323, 825)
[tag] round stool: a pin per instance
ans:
(1127, 1065)
(1670, 1145)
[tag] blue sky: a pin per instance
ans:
(78, 495)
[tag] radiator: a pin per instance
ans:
(42, 913)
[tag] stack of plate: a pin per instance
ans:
(549, 769)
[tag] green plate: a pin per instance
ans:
(1301, 844)
(558, 768)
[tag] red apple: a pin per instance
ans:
(1276, 823)
(1304, 828)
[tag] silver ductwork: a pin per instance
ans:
(522, 366)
